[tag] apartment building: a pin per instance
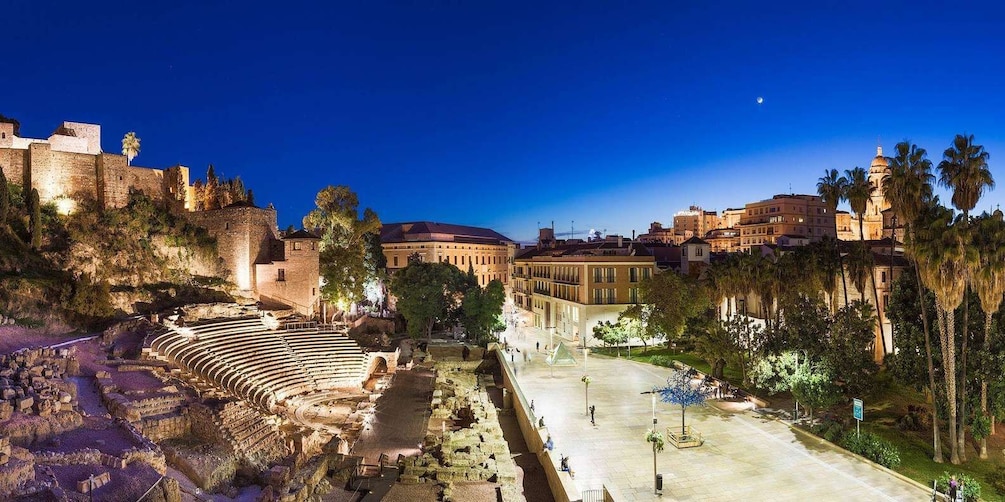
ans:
(573, 287)
(793, 215)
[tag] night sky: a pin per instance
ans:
(506, 114)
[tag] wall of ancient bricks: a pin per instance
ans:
(244, 236)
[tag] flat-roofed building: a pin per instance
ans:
(768, 219)
(488, 252)
(573, 287)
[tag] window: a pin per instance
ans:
(226, 226)
(883, 277)
(610, 274)
(314, 291)
(633, 295)
(633, 274)
(297, 245)
(597, 273)
(699, 252)
(598, 296)
(462, 260)
(646, 272)
(282, 275)
(395, 261)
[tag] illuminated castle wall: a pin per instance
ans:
(69, 166)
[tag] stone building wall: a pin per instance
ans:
(298, 284)
(244, 236)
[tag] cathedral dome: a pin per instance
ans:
(879, 163)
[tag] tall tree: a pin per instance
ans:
(426, 293)
(130, 146)
(4, 199)
(673, 300)
(859, 190)
(832, 189)
(210, 193)
(907, 186)
(964, 170)
(988, 277)
(347, 259)
(940, 251)
(36, 220)
(481, 309)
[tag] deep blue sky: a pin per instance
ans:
(505, 114)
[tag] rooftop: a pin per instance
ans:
(441, 232)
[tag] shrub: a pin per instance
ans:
(971, 488)
(661, 360)
(997, 479)
(830, 430)
(873, 448)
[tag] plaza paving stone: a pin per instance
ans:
(745, 456)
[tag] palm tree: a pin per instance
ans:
(130, 147)
(941, 251)
(859, 190)
(860, 263)
(907, 186)
(988, 276)
(832, 189)
(964, 170)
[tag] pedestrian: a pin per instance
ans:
(954, 488)
(549, 444)
(538, 345)
(593, 409)
(531, 405)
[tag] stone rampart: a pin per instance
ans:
(244, 236)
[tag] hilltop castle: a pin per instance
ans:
(69, 167)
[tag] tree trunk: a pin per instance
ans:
(948, 342)
(961, 434)
(844, 282)
(984, 412)
(936, 444)
(682, 427)
(879, 314)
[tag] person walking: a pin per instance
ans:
(538, 346)
(593, 409)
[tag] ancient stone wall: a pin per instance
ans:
(244, 236)
(149, 181)
(12, 164)
(297, 284)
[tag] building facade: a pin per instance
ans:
(487, 252)
(573, 287)
(872, 220)
(695, 222)
(794, 215)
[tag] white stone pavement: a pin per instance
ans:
(745, 456)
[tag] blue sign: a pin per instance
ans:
(857, 409)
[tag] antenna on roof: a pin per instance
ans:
(790, 189)
(573, 232)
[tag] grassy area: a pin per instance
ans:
(881, 414)
(647, 354)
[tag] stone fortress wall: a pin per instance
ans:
(70, 165)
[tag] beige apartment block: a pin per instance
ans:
(573, 287)
(486, 251)
(794, 215)
(695, 220)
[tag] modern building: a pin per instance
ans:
(486, 251)
(768, 219)
(570, 288)
(695, 222)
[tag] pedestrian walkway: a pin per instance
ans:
(745, 456)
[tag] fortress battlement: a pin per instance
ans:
(69, 165)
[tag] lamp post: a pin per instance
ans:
(655, 438)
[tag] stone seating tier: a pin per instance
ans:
(252, 362)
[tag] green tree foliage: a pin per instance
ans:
(91, 302)
(813, 386)
(4, 199)
(349, 258)
(805, 323)
(36, 220)
(426, 294)
(672, 301)
(481, 310)
(773, 373)
(848, 349)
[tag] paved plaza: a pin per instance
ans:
(745, 456)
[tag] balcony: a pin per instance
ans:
(564, 279)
